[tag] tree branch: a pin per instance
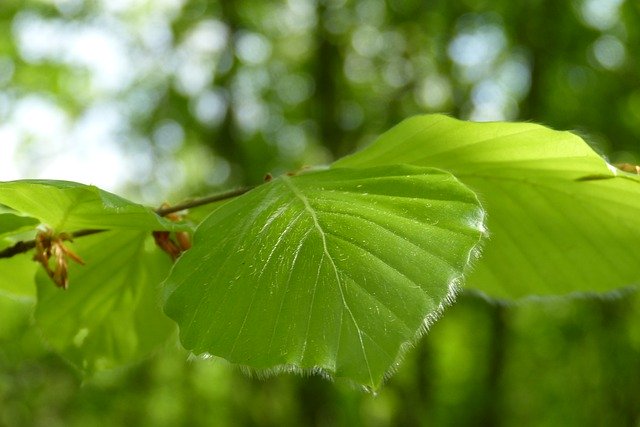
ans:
(203, 201)
(27, 245)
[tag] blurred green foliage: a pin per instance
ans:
(197, 95)
(547, 362)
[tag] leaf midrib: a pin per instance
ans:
(307, 206)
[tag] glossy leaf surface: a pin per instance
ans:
(66, 206)
(560, 219)
(334, 271)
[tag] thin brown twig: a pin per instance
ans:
(27, 245)
(203, 201)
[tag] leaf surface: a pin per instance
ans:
(11, 223)
(560, 219)
(17, 295)
(66, 206)
(334, 271)
(111, 314)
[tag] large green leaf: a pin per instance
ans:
(17, 295)
(111, 313)
(560, 219)
(11, 223)
(335, 271)
(66, 206)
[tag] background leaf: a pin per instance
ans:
(110, 314)
(334, 271)
(559, 218)
(66, 206)
(17, 295)
(11, 223)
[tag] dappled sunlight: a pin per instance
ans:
(317, 216)
(284, 79)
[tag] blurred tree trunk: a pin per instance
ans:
(227, 143)
(497, 353)
(327, 67)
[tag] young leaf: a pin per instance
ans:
(17, 295)
(335, 271)
(64, 206)
(110, 315)
(11, 223)
(560, 219)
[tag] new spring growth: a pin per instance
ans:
(164, 241)
(53, 255)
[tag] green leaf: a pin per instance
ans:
(65, 206)
(560, 219)
(12, 224)
(17, 295)
(336, 271)
(110, 315)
